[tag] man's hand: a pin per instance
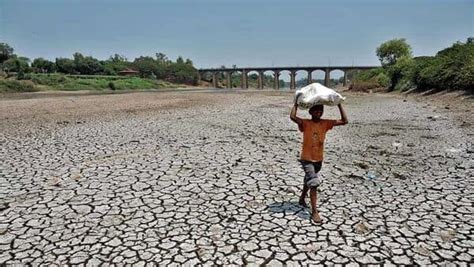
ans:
(293, 116)
(296, 98)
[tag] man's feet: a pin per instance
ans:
(303, 203)
(315, 217)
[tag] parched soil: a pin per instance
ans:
(214, 178)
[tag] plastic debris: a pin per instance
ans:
(447, 236)
(371, 175)
(361, 228)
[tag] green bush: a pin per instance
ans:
(17, 86)
(401, 71)
(48, 79)
(368, 75)
(112, 86)
(182, 73)
(457, 63)
(370, 79)
(451, 68)
(105, 77)
(383, 79)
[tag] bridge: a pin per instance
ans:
(276, 74)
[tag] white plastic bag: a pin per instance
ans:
(317, 94)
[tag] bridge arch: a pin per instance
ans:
(317, 75)
(336, 78)
(235, 79)
(284, 82)
(205, 76)
(253, 79)
(300, 79)
(268, 79)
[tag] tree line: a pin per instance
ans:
(450, 69)
(157, 67)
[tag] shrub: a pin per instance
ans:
(367, 75)
(182, 73)
(48, 79)
(402, 70)
(383, 79)
(370, 79)
(17, 86)
(451, 68)
(112, 86)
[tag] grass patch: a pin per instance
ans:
(36, 82)
(10, 86)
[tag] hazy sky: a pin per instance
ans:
(241, 32)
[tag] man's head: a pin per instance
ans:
(316, 111)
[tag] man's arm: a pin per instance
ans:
(343, 119)
(293, 116)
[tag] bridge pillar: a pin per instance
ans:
(326, 77)
(310, 78)
(199, 78)
(244, 83)
(214, 79)
(260, 80)
(228, 76)
(344, 81)
(292, 80)
(277, 80)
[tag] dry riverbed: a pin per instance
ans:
(213, 178)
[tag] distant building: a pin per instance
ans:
(128, 72)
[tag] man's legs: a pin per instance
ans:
(314, 197)
(311, 170)
(308, 168)
(304, 192)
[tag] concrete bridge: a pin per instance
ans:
(276, 74)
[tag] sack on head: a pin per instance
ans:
(317, 94)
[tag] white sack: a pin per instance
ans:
(317, 94)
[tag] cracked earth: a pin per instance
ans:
(213, 178)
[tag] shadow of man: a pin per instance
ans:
(288, 207)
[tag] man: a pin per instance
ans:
(312, 153)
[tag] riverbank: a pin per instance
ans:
(60, 82)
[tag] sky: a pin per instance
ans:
(253, 33)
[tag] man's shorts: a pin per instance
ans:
(311, 169)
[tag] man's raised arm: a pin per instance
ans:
(343, 119)
(293, 116)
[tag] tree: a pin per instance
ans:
(456, 66)
(87, 65)
(389, 54)
(115, 64)
(148, 67)
(450, 69)
(179, 60)
(182, 73)
(43, 65)
(189, 62)
(390, 51)
(65, 65)
(6, 52)
(162, 58)
(117, 58)
(401, 73)
(16, 64)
